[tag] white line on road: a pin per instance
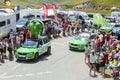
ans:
(61, 44)
(5, 76)
(15, 67)
(30, 74)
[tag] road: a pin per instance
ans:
(63, 64)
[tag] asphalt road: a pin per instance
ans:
(63, 64)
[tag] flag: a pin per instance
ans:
(54, 7)
(17, 8)
(44, 7)
(5, 1)
(99, 20)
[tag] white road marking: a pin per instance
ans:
(61, 44)
(15, 67)
(30, 74)
(5, 76)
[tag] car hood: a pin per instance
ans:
(110, 28)
(83, 42)
(27, 50)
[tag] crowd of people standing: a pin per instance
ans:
(101, 52)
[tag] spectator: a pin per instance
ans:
(92, 62)
(1, 51)
(86, 53)
(10, 49)
(28, 35)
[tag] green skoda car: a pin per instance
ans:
(79, 42)
(31, 49)
(108, 28)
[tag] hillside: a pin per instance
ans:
(72, 2)
(37, 3)
(31, 3)
(106, 3)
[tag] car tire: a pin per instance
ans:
(49, 51)
(70, 49)
(36, 57)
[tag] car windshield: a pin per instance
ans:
(85, 17)
(30, 44)
(110, 25)
(72, 17)
(21, 22)
(82, 37)
(117, 26)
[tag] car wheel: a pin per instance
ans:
(36, 57)
(70, 48)
(49, 51)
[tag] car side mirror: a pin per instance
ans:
(21, 44)
(40, 46)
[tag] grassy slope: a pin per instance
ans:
(72, 3)
(32, 3)
(106, 3)
(37, 3)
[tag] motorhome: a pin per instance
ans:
(31, 13)
(7, 21)
(72, 15)
(115, 14)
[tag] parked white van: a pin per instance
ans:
(115, 14)
(36, 12)
(7, 21)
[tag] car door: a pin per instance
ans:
(45, 45)
(41, 47)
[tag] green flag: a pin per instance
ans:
(99, 20)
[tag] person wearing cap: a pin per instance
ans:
(92, 62)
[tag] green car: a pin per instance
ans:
(79, 42)
(108, 28)
(31, 49)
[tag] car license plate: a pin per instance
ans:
(21, 56)
(73, 46)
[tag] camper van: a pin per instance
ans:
(72, 16)
(30, 13)
(116, 15)
(7, 21)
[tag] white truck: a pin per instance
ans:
(116, 15)
(35, 12)
(7, 21)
